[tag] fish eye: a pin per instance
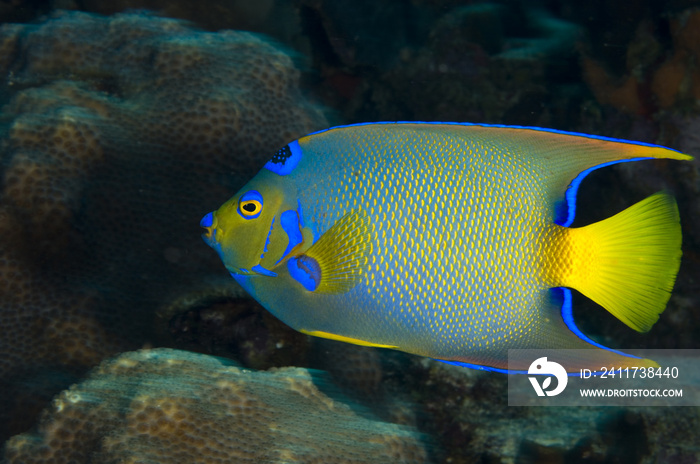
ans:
(250, 204)
(250, 208)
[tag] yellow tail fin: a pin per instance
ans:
(628, 263)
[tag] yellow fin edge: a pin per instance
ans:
(340, 338)
(652, 151)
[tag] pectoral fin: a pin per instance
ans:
(337, 261)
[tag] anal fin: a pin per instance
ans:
(341, 338)
(574, 350)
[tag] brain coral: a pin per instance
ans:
(178, 407)
(118, 133)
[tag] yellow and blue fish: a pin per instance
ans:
(448, 240)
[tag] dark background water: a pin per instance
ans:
(120, 132)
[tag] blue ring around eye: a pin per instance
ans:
(248, 196)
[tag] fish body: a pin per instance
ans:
(447, 240)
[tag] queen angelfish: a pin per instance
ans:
(447, 240)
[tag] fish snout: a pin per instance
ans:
(208, 222)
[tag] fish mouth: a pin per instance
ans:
(208, 223)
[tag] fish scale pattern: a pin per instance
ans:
(452, 254)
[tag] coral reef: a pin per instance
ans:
(482, 62)
(219, 14)
(467, 412)
(224, 321)
(360, 371)
(118, 133)
(654, 78)
(677, 79)
(177, 407)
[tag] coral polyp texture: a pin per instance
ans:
(118, 133)
(173, 406)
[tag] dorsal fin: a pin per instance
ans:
(567, 157)
(561, 159)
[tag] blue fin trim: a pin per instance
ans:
(565, 211)
(480, 367)
(285, 160)
(567, 315)
(502, 371)
(505, 371)
(207, 220)
(261, 270)
(290, 224)
(540, 129)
